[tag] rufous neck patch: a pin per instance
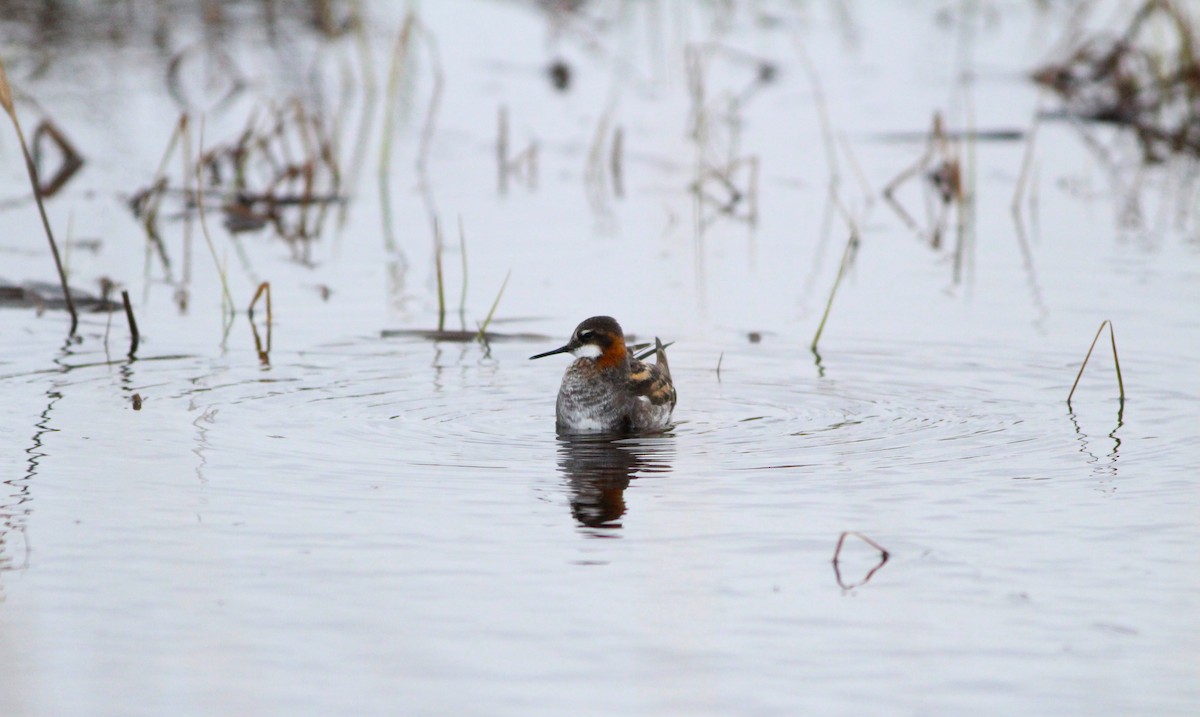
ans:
(613, 356)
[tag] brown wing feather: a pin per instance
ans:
(653, 380)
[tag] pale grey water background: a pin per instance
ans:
(389, 526)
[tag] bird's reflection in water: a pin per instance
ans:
(598, 470)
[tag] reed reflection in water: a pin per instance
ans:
(597, 470)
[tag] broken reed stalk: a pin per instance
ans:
(847, 260)
(441, 283)
(483, 327)
(6, 100)
(1116, 362)
(837, 552)
(264, 355)
(263, 288)
(134, 336)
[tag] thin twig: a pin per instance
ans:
(883, 558)
(6, 100)
(263, 288)
(134, 336)
(462, 299)
(1116, 362)
(847, 259)
(441, 283)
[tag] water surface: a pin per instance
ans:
(359, 524)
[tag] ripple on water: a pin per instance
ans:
(378, 407)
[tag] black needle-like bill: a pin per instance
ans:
(559, 350)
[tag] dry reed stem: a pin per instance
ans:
(884, 555)
(227, 298)
(845, 534)
(6, 101)
(134, 336)
(263, 288)
(462, 299)
(441, 283)
(1116, 362)
(264, 354)
(72, 161)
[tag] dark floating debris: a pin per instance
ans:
(1147, 79)
(44, 296)
(560, 75)
(257, 180)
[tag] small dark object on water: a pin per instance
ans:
(560, 75)
(755, 337)
(137, 401)
(767, 72)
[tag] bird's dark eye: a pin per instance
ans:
(586, 334)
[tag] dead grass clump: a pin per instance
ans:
(280, 172)
(941, 168)
(1146, 79)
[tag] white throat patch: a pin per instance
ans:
(587, 351)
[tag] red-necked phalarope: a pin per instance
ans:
(607, 389)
